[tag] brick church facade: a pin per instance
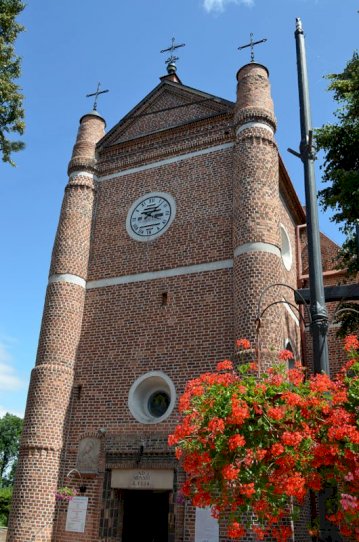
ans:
(172, 225)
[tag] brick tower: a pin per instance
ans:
(153, 277)
(43, 442)
(256, 213)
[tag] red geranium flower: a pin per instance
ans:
(235, 530)
(230, 472)
(285, 354)
(225, 365)
(243, 343)
(351, 342)
(236, 441)
(256, 443)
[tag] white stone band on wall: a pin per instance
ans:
(164, 273)
(252, 124)
(166, 161)
(67, 277)
(257, 247)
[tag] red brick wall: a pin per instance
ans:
(201, 231)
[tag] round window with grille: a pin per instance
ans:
(152, 397)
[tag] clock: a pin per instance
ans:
(150, 216)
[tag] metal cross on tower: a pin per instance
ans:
(96, 94)
(251, 44)
(172, 59)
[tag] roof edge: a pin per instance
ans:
(162, 84)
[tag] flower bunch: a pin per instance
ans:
(254, 444)
(65, 494)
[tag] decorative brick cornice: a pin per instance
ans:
(259, 136)
(179, 129)
(163, 144)
(249, 114)
(81, 163)
(81, 181)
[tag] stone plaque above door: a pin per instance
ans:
(142, 479)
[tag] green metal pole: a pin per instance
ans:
(328, 531)
(317, 299)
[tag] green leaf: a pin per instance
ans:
(11, 110)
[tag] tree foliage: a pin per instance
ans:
(10, 432)
(11, 109)
(340, 143)
(5, 501)
(348, 319)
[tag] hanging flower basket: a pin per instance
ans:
(65, 494)
(256, 444)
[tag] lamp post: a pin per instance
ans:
(319, 315)
(319, 325)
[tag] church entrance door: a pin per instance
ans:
(145, 516)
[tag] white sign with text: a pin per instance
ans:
(76, 515)
(142, 478)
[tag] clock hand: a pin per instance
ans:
(151, 215)
(148, 211)
(149, 225)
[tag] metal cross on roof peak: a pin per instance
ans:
(172, 59)
(251, 44)
(96, 94)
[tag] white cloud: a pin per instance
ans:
(220, 5)
(9, 380)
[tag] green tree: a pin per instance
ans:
(11, 109)
(10, 432)
(340, 143)
(5, 501)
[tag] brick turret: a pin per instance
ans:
(49, 401)
(256, 231)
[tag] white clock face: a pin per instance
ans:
(150, 216)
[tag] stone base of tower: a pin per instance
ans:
(34, 506)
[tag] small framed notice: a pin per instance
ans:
(76, 515)
(206, 527)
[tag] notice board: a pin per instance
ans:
(76, 515)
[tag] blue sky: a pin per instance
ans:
(70, 45)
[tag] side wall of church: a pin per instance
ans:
(290, 273)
